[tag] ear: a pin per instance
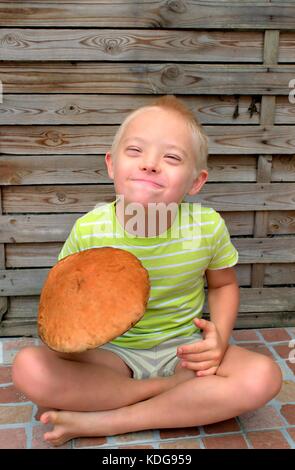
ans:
(109, 163)
(198, 183)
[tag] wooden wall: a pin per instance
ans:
(72, 70)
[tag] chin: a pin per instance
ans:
(142, 199)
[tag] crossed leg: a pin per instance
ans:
(251, 378)
(88, 381)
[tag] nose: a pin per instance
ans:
(149, 164)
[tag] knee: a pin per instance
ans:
(28, 373)
(263, 382)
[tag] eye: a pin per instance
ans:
(133, 150)
(173, 157)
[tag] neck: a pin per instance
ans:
(142, 221)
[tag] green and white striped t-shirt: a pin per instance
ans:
(176, 261)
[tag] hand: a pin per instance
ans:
(203, 356)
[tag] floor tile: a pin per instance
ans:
(233, 441)
(268, 440)
(275, 334)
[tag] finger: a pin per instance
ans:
(204, 324)
(204, 373)
(197, 357)
(194, 348)
(196, 365)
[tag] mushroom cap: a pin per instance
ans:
(90, 298)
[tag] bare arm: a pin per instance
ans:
(205, 356)
(223, 300)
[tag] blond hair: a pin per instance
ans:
(171, 103)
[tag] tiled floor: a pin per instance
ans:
(271, 427)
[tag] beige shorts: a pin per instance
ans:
(159, 360)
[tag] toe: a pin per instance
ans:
(49, 417)
(56, 437)
(52, 438)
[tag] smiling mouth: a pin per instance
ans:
(152, 183)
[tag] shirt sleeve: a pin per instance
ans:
(71, 244)
(224, 254)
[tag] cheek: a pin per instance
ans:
(181, 180)
(121, 175)
(120, 170)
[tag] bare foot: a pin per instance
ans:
(68, 425)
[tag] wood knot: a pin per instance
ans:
(112, 46)
(177, 6)
(171, 72)
(70, 109)
(51, 138)
(61, 197)
(10, 40)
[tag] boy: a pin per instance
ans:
(163, 363)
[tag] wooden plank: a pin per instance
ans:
(271, 47)
(279, 274)
(251, 250)
(265, 320)
(264, 168)
(261, 217)
(145, 78)
(28, 327)
(267, 113)
(283, 168)
(58, 199)
(3, 300)
(229, 140)
(15, 282)
(22, 281)
(32, 255)
(287, 48)
(233, 196)
(264, 164)
(3, 307)
(23, 307)
(103, 109)
(268, 103)
(155, 14)
(261, 224)
(2, 250)
(38, 228)
(265, 250)
(270, 299)
(125, 45)
(19, 170)
(285, 111)
(75, 198)
(18, 327)
(74, 169)
(281, 223)
(18, 229)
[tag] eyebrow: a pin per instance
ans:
(169, 146)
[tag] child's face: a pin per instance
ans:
(154, 161)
